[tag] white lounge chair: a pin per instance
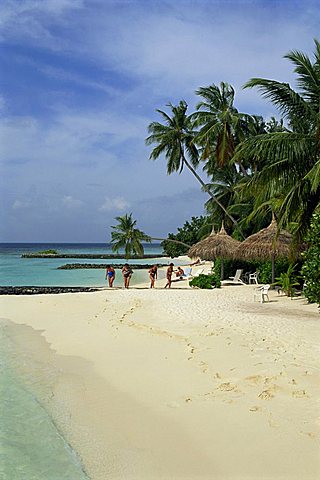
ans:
(187, 273)
(262, 293)
(236, 280)
(198, 272)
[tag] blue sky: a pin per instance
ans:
(80, 82)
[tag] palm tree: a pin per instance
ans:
(175, 139)
(291, 158)
(222, 126)
(126, 236)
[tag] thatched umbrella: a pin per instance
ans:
(217, 245)
(267, 244)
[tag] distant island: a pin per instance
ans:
(90, 255)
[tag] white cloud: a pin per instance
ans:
(18, 204)
(69, 202)
(114, 204)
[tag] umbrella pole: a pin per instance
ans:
(272, 268)
(222, 270)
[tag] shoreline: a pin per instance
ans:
(152, 384)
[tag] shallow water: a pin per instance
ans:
(31, 447)
(17, 271)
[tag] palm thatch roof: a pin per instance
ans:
(266, 244)
(217, 245)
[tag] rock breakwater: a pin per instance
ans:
(31, 290)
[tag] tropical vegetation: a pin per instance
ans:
(311, 267)
(206, 281)
(249, 167)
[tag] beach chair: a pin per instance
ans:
(262, 293)
(186, 276)
(187, 273)
(236, 280)
(253, 277)
(198, 272)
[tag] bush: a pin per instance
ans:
(48, 252)
(311, 267)
(287, 281)
(206, 281)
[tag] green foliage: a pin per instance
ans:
(48, 252)
(287, 281)
(190, 234)
(311, 267)
(206, 281)
(126, 236)
(289, 158)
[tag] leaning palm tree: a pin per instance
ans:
(175, 139)
(291, 158)
(126, 236)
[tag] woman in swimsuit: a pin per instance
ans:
(153, 274)
(127, 274)
(110, 275)
(169, 275)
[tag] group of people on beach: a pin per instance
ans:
(153, 274)
(126, 274)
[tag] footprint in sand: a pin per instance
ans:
(227, 387)
(254, 379)
(309, 434)
(254, 408)
(266, 395)
(293, 382)
(299, 394)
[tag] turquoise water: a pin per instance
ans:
(17, 271)
(31, 448)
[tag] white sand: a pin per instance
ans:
(179, 384)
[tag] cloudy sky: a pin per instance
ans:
(80, 82)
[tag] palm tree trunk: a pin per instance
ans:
(207, 190)
(171, 240)
(243, 170)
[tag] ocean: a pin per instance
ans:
(17, 271)
(31, 447)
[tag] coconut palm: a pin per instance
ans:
(175, 139)
(126, 236)
(291, 158)
(222, 126)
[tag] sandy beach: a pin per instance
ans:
(179, 384)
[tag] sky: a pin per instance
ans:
(80, 82)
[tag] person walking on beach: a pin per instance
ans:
(153, 274)
(169, 275)
(110, 275)
(127, 274)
